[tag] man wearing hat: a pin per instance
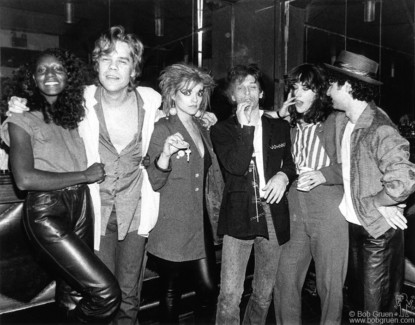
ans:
(377, 178)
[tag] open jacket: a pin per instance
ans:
(179, 232)
(234, 146)
(379, 162)
(89, 131)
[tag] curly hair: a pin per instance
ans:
(312, 77)
(360, 90)
(105, 44)
(184, 76)
(68, 109)
(238, 73)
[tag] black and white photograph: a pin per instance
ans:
(207, 162)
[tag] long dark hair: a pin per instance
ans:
(68, 109)
(312, 77)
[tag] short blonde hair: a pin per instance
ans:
(181, 75)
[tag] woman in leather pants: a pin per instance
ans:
(48, 160)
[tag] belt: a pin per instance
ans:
(72, 188)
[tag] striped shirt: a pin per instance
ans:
(307, 149)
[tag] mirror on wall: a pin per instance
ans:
(382, 30)
(215, 34)
(171, 31)
(167, 28)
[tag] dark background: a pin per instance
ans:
(276, 34)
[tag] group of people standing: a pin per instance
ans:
(67, 126)
(346, 214)
(164, 183)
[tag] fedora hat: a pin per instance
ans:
(356, 66)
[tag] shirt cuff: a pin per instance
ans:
(162, 169)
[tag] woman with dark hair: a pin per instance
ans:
(302, 79)
(318, 229)
(185, 171)
(48, 160)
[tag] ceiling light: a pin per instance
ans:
(158, 20)
(369, 12)
(69, 12)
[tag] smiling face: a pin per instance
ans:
(305, 97)
(189, 98)
(116, 68)
(50, 77)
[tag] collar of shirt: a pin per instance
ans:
(258, 153)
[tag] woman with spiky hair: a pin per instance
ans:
(48, 160)
(186, 173)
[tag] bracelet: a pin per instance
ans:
(279, 116)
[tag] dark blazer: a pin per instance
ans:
(179, 233)
(234, 146)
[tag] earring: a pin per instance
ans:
(199, 114)
(173, 109)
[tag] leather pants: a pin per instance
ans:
(376, 269)
(60, 224)
(173, 275)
